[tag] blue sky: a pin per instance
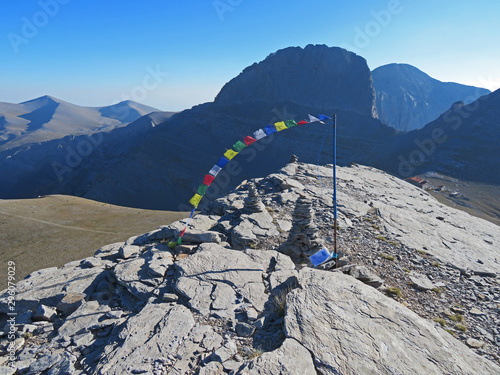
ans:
(173, 55)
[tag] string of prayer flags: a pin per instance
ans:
(240, 145)
(236, 149)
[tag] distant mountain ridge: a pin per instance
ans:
(462, 143)
(47, 118)
(408, 99)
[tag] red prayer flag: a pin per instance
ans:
(302, 122)
(208, 179)
(183, 231)
(248, 140)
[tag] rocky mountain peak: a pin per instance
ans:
(320, 77)
(227, 300)
(408, 98)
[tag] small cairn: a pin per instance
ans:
(304, 240)
(294, 159)
(253, 202)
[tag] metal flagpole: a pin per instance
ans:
(335, 185)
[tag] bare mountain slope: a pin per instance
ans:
(47, 118)
(408, 99)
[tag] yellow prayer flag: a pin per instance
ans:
(280, 126)
(195, 201)
(229, 154)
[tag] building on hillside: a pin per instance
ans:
(417, 181)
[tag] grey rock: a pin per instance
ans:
(78, 322)
(212, 368)
(23, 365)
(133, 274)
(202, 237)
(128, 251)
(242, 235)
(44, 313)
(291, 183)
(367, 332)
(225, 352)
(170, 297)
(196, 281)
(114, 314)
(7, 370)
(70, 302)
(156, 330)
(422, 282)
(43, 363)
(111, 250)
(83, 339)
(50, 285)
(231, 365)
(284, 225)
(476, 312)
(364, 275)
(291, 358)
(244, 329)
(473, 343)
(65, 365)
(159, 261)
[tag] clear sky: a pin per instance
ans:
(176, 54)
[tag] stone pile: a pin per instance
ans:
(253, 202)
(304, 238)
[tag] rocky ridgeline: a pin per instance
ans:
(417, 291)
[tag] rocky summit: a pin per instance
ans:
(312, 76)
(415, 289)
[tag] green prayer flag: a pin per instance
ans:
(290, 123)
(202, 189)
(238, 146)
